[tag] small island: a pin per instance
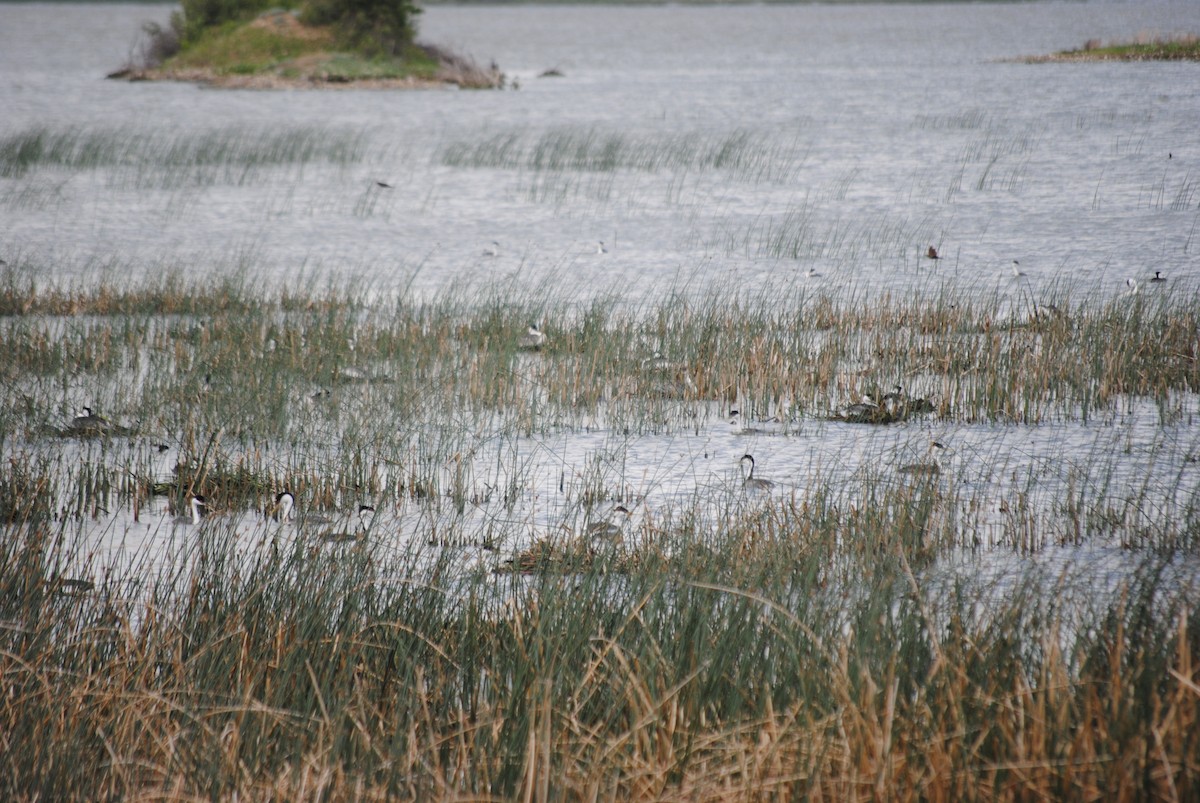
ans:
(259, 44)
(1184, 47)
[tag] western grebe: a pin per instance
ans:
(196, 510)
(657, 362)
(73, 586)
(284, 506)
(88, 422)
(749, 481)
(863, 412)
(932, 253)
(811, 273)
(894, 399)
(1158, 277)
(1132, 285)
(600, 249)
(664, 378)
(926, 469)
(533, 339)
(492, 250)
(918, 406)
(770, 426)
(611, 530)
(1016, 270)
(362, 525)
(284, 510)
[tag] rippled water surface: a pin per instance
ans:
(707, 146)
(862, 135)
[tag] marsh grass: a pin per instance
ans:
(327, 374)
(714, 670)
(234, 155)
(729, 647)
(738, 154)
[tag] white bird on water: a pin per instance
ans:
(285, 505)
(600, 249)
(196, 510)
(492, 250)
(285, 512)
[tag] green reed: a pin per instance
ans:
(231, 155)
(591, 150)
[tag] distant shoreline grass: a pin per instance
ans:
(1182, 47)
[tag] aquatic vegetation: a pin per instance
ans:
(236, 156)
(476, 634)
(736, 153)
(730, 667)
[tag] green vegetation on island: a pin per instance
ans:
(259, 44)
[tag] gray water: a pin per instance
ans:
(868, 133)
(883, 129)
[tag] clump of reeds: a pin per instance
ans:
(719, 671)
(230, 155)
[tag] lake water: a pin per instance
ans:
(883, 129)
(860, 134)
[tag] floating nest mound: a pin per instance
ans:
(870, 413)
(569, 556)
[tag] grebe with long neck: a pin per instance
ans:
(750, 481)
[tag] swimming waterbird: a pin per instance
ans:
(929, 468)
(533, 339)
(749, 481)
(610, 531)
(196, 510)
(366, 513)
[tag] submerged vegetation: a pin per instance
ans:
(718, 646)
